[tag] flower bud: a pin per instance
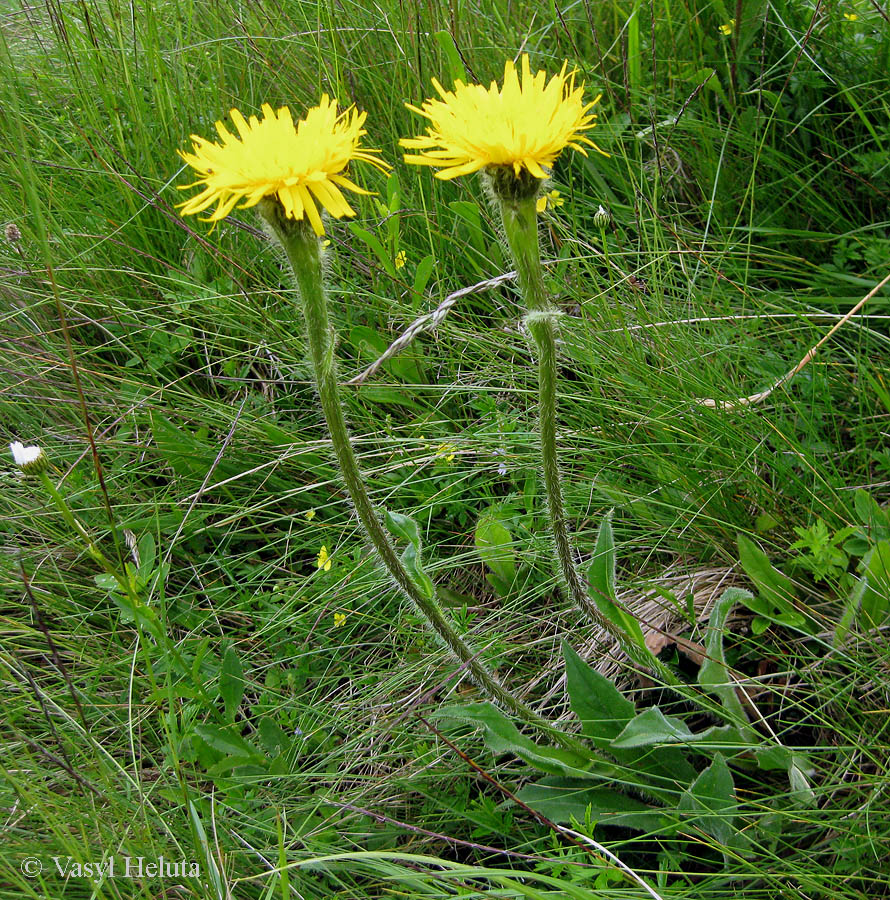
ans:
(602, 218)
(31, 460)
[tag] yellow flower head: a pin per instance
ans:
(525, 124)
(728, 28)
(339, 619)
(299, 164)
(400, 259)
(324, 560)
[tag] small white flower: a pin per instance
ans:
(28, 459)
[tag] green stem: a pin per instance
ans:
(521, 229)
(303, 251)
(91, 548)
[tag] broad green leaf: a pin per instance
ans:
(146, 552)
(231, 683)
(601, 576)
(273, 739)
(601, 708)
(502, 736)
(711, 800)
(713, 675)
(423, 272)
(798, 781)
(564, 799)
(871, 514)
(494, 544)
(653, 727)
(227, 741)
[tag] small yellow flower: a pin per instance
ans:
(525, 124)
(300, 164)
(446, 452)
(339, 619)
(310, 515)
(551, 199)
(851, 17)
(324, 559)
(400, 259)
(728, 28)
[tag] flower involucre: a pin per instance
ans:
(300, 164)
(525, 124)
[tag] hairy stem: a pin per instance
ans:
(521, 229)
(303, 251)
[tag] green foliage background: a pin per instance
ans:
(747, 180)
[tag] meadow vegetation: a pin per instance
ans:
(255, 697)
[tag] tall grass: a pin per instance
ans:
(748, 183)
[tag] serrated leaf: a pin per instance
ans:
(231, 683)
(273, 739)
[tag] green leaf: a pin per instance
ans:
(502, 736)
(231, 683)
(423, 582)
(273, 739)
(566, 799)
(106, 582)
(494, 544)
(423, 272)
(146, 552)
(601, 576)
(875, 599)
(653, 727)
(455, 65)
(602, 709)
(228, 742)
(711, 800)
(772, 586)
(374, 244)
(713, 675)
(403, 527)
(871, 514)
